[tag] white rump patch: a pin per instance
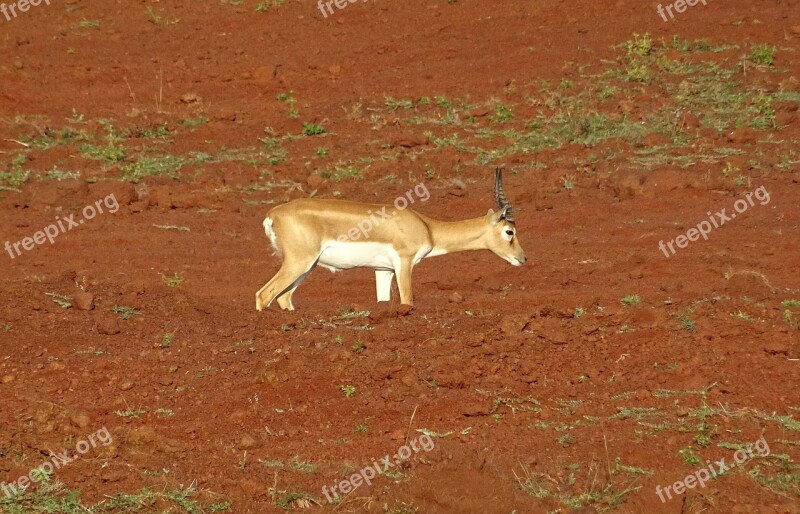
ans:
(273, 238)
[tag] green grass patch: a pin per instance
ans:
(60, 299)
(110, 153)
(160, 165)
(15, 176)
(195, 122)
(631, 300)
(158, 18)
(268, 5)
(577, 489)
(762, 54)
(686, 323)
(51, 496)
(87, 24)
(312, 129)
(125, 313)
(393, 104)
(341, 172)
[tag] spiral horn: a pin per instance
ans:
(500, 195)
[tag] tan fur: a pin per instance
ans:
(302, 230)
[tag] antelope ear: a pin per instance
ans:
(499, 215)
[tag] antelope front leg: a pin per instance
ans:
(404, 282)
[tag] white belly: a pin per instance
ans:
(338, 255)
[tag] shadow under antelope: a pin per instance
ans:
(309, 232)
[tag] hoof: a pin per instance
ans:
(404, 309)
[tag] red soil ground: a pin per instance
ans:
(544, 390)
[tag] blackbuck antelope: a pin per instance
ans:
(309, 232)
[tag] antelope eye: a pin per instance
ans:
(510, 232)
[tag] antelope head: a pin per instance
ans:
(503, 238)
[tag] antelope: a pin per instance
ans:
(309, 232)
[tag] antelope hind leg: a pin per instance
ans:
(383, 284)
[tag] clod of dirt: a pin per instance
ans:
(455, 298)
(141, 435)
(743, 135)
(653, 140)
(690, 121)
(410, 141)
(550, 329)
(127, 385)
(122, 193)
(189, 98)
(83, 301)
(668, 180)
(514, 324)
(627, 185)
(58, 192)
(398, 434)
(480, 112)
(253, 488)
(404, 310)
(453, 380)
(79, 419)
(776, 348)
(784, 119)
(135, 287)
(643, 318)
(247, 442)
(314, 180)
(749, 283)
(176, 200)
(476, 409)
(225, 116)
(410, 380)
(379, 315)
(7, 379)
(238, 417)
(108, 326)
(626, 106)
(109, 475)
(785, 106)
(56, 366)
(141, 190)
